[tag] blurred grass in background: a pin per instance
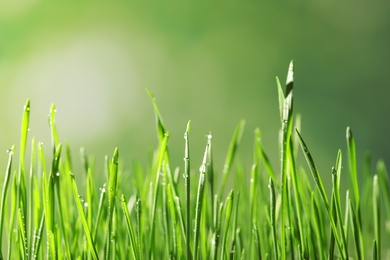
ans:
(213, 63)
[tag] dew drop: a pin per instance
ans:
(85, 204)
(57, 174)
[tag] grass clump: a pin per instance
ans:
(187, 214)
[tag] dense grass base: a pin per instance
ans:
(184, 214)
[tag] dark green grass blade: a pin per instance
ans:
(320, 186)
(232, 150)
(4, 194)
(375, 255)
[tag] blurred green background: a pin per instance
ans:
(213, 63)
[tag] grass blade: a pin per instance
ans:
(229, 207)
(4, 194)
(232, 150)
(112, 189)
(199, 202)
(377, 215)
(320, 186)
(133, 245)
(84, 221)
(187, 184)
(271, 187)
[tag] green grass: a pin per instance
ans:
(215, 212)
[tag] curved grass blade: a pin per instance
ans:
(4, 194)
(262, 154)
(84, 222)
(134, 248)
(161, 130)
(232, 150)
(320, 186)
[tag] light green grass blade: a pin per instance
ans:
(133, 245)
(84, 221)
(31, 202)
(233, 248)
(356, 231)
(112, 189)
(298, 202)
(336, 174)
(262, 154)
(229, 209)
(320, 186)
(353, 172)
(271, 187)
(139, 227)
(199, 202)
(49, 204)
(161, 130)
(14, 204)
(156, 187)
(377, 215)
(286, 135)
(187, 186)
(4, 193)
(23, 141)
(217, 216)
(232, 150)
